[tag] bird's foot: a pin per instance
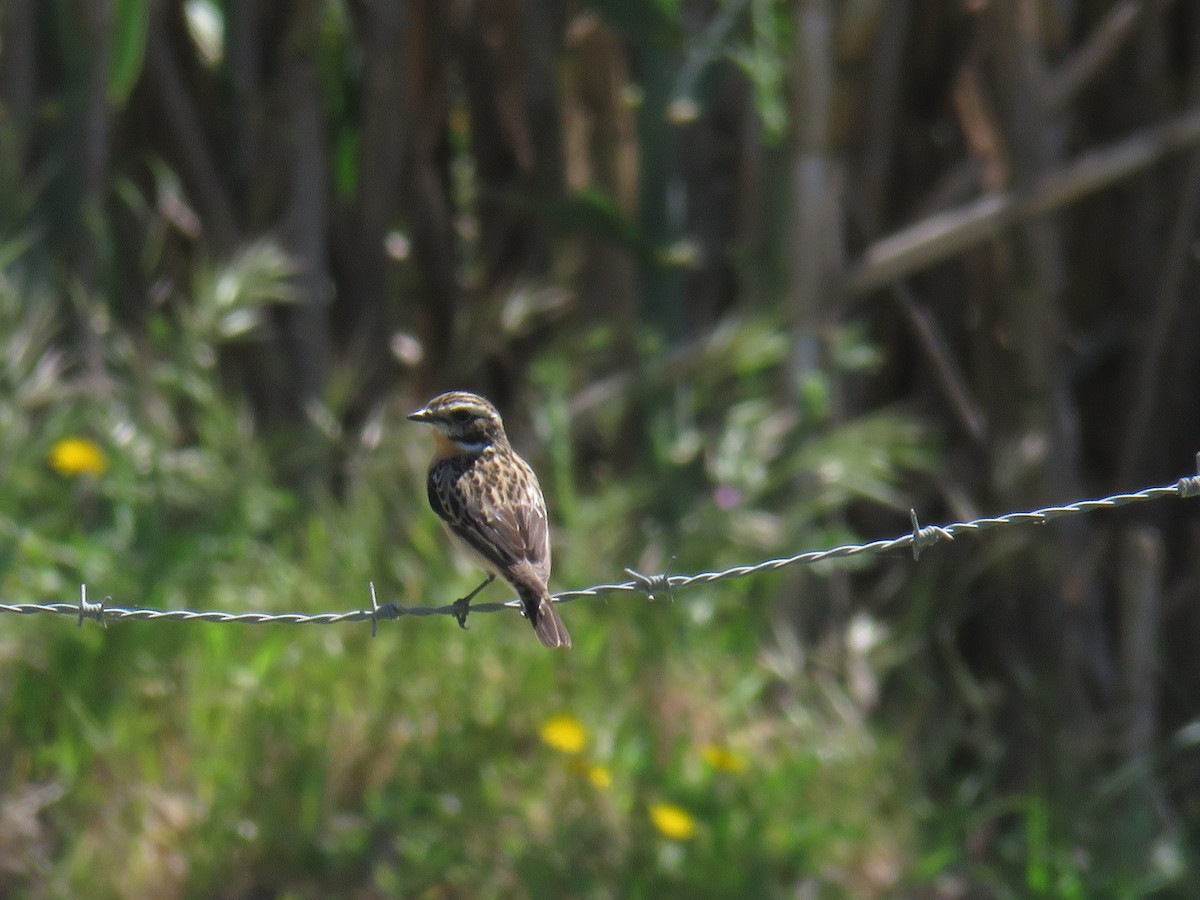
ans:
(462, 604)
(461, 607)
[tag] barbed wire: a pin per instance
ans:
(652, 586)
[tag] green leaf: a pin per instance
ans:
(130, 27)
(346, 152)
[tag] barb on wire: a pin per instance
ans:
(90, 610)
(653, 586)
(927, 536)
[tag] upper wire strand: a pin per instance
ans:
(652, 586)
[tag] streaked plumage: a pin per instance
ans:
(491, 504)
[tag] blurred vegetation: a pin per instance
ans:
(238, 241)
(234, 760)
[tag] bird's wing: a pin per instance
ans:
(506, 535)
(522, 527)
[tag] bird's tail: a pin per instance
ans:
(547, 624)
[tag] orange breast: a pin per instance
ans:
(443, 447)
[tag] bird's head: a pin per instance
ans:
(464, 422)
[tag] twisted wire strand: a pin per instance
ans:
(653, 586)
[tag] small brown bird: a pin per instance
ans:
(491, 505)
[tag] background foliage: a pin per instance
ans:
(746, 277)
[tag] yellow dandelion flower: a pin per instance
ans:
(600, 776)
(673, 821)
(565, 734)
(75, 456)
(722, 758)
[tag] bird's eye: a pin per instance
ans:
(460, 416)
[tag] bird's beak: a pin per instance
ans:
(421, 415)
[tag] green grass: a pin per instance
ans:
(213, 760)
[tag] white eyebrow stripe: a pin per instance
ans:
(471, 446)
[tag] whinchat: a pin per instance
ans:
(491, 505)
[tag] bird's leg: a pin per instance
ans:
(463, 604)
